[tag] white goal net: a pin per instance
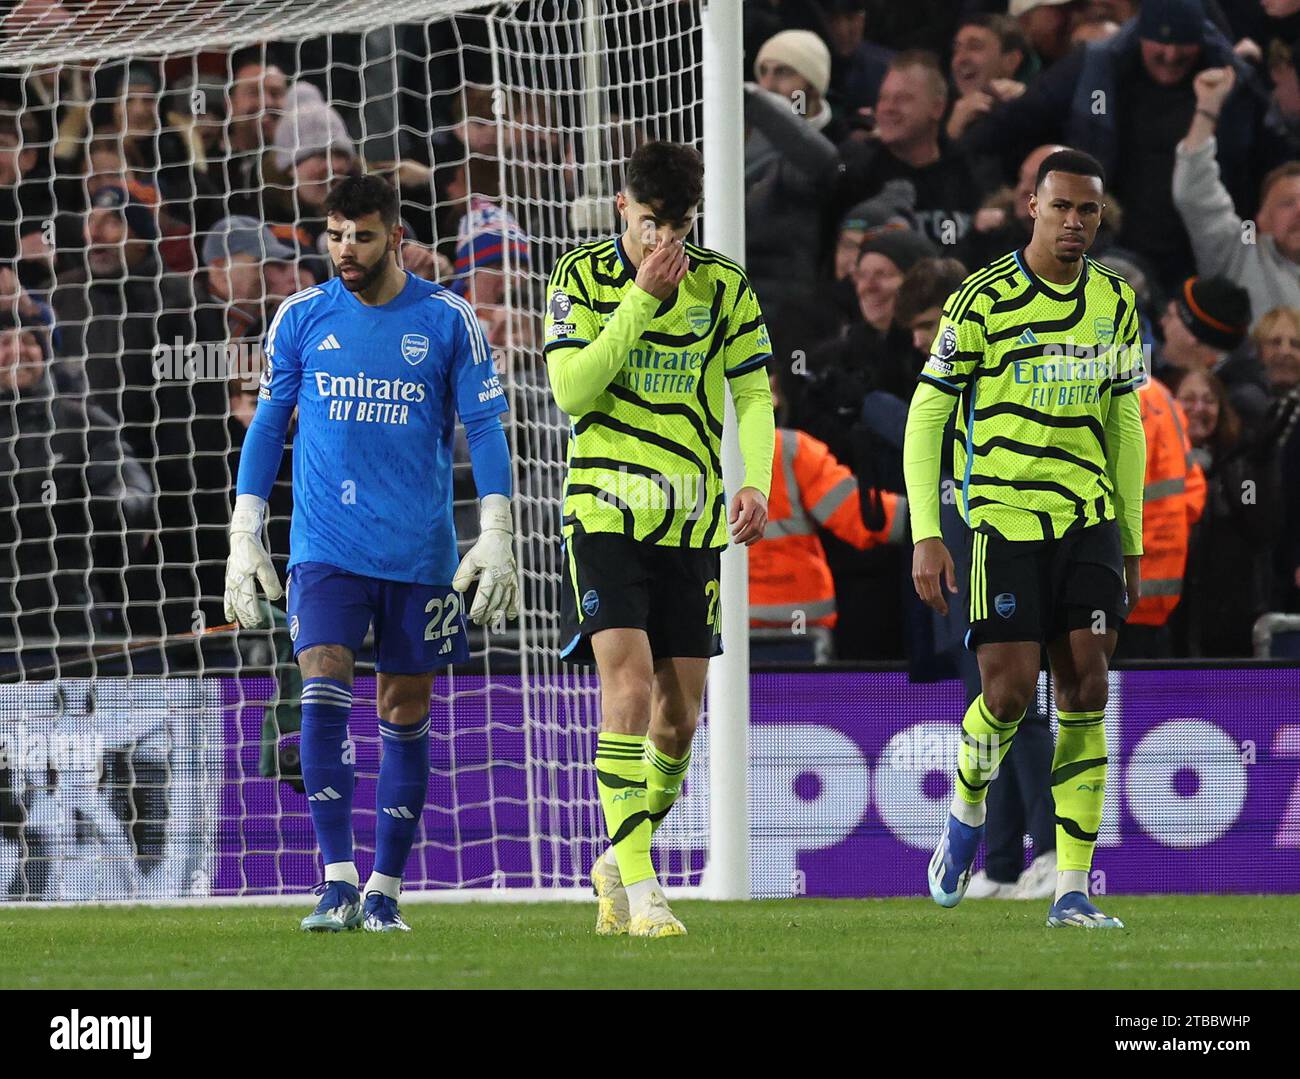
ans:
(162, 168)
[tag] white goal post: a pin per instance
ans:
(727, 875)
(147, 753)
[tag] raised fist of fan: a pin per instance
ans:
(1212, 87)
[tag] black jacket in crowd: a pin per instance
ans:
(76, 505)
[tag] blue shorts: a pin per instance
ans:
(418, 627)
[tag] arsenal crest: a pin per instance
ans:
(415, 346)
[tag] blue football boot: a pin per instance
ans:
(950, 867)
(339, 908)
(1075, 908)
(382, 915)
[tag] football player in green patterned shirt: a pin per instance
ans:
(645, 334)
(1041, 349)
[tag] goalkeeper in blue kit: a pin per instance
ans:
(378, 364)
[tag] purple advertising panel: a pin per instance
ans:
(850, 776)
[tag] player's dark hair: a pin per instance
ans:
(926, 285)
(1006, 29)
(356, 196)
(1075, 162)
(668, 176)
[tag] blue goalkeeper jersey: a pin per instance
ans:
(378, 390)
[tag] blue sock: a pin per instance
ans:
(328, 766)
(399, 798)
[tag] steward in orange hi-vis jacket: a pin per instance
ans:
(1172, 501)
(788, 572)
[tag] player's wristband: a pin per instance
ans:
(494, 512)
(250, 511)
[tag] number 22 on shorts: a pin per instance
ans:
(712, 590)
(444, 610)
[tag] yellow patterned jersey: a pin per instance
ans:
(1036, 366)
(644, 459)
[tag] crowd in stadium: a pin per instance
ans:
(890, 149)
(912, 160)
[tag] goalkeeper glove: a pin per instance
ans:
(248, 560)
(492, 562)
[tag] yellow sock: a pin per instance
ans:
(621, 780)
(664, 776)
(984, 743)
(1078, 786)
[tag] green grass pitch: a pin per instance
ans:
(1171, 941)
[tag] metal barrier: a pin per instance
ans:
(1268, 627)
(815, 646)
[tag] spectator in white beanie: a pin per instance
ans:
(791, 163)
(311, 153)
(1047, 25)
(792, 171)
(311, 130)
(302, 94)
(797, 65)
(314, 150)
